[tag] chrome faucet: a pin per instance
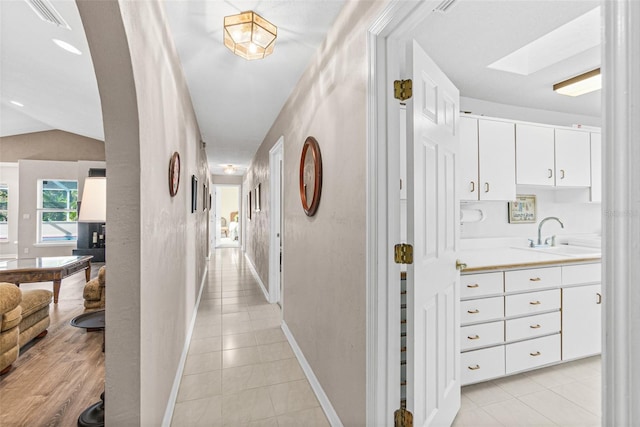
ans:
(540, 227)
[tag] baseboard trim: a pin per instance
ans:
(173, 396)
(257, 277)
(325, 403)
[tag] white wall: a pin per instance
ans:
(9, 177)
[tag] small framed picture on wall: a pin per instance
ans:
(258, 188)
(523, 209)
(249, 205)
(194, 193)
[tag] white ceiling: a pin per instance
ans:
(236, 101)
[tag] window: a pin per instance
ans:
(4, 212)
(57, 211)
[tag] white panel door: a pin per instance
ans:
(596, 167)
(573, 158)
(581, 321)
(534, 155)
(497, 149)
(469, 159)
(433, 314)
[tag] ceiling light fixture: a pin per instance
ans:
(229, 169)
(579, 85)
(249, 36)
(16, 103)
(68, 47)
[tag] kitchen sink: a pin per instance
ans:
(568, 250)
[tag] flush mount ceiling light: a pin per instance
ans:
(229, 169)
(579, 85)
(67, 46)
(249, 36)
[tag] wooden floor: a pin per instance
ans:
(57, 377)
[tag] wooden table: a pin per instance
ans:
(44, 269)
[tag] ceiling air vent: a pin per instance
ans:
(45, 11)
(445, 5)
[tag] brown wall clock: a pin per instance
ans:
(174, 174)
(310, 176)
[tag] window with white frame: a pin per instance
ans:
(57, 210)
(4, 212)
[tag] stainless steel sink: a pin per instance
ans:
(568, 250)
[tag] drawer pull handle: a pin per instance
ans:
(476, 311)
(535, 279)
(599, 300)
(474, 367)
(535, 326)
(475, 285)
(537, 353)
(473, 337)
(535, 303)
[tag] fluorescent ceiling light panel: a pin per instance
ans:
(572, 38)
(579, 85)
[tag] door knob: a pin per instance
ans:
(460, 265)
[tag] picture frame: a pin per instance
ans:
(523, 210)
(204, 196)
(194, 194)
(258, 191)
(249, 205)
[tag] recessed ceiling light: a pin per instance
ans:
(19, 104)
(68, 47)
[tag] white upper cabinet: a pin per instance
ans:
(573, 158)
(596, 167)
(487, 159)
(535, 160)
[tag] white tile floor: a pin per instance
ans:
(561, 395)
(240, 369)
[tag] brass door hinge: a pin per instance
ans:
(402, 89)
(403, 254)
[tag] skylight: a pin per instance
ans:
(572, 38)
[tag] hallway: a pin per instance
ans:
(240, 369)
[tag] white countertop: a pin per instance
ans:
(504, 258)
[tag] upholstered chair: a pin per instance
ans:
(10, 316)
(94, 291)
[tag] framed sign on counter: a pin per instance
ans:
(523, 209)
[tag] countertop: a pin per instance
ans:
(480, 260)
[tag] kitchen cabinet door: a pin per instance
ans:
(468, 158)
(596, 167)
(497, 160)
(573, 158)
(535, 162)
(581, 321)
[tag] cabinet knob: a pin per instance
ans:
(474, 367)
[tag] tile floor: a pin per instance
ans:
(561, 395)
(240, 370)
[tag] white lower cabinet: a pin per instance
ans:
(481, 365)
(522, 319)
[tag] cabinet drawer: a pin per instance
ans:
(532, 353)
(532, 302)
(532, 279)
(477, 285)
(532, 326)
(480, 310)
(585, 273)
(481, 335)
(481, 365)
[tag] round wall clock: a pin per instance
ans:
(174, 174)
(310, 176)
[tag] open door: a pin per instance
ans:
(433, 314)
